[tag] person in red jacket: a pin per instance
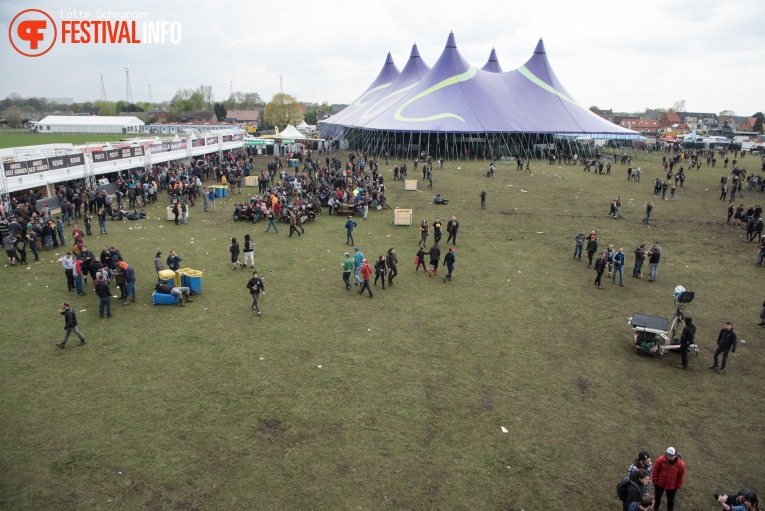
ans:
(366, 272)
(668, 475)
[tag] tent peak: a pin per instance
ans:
(540, 47)
(415, 51)
(450, 43)
(389, 59)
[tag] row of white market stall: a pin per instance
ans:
(290, 140)
(41, 167)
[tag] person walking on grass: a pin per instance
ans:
(272, 221)
(347, 269)
(130, 282)
(618, 260)
(648, 209)
(255, 285)
(70, 325)
(392, 262)
(10, 248)
(249, 251)
(380, 270)
(358, 259)
(483, 198)
(592, 247)
(366, 273)
(726, 344)
(452, 226)
(349, 225)
(435, 257)
(424, 230)
(449, 259)
(437, 230)
(579, 240)
(234, 249)
(600, 266)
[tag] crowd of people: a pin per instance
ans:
(296, 196)
(666, 477)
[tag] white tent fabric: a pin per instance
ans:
(291, 132)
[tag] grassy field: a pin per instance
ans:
(332, 401)
(27, 139)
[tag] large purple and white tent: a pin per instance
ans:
(455, 107)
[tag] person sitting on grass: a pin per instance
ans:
(438, 200)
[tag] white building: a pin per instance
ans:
(89, 124)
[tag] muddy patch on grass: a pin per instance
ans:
(272, 427)
(487, 403)
(583, 385)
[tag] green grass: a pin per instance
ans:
(27, 139)
(211, 407)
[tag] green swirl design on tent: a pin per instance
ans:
(359, 103)
(467, 75)
(536, 81)
(371, 110)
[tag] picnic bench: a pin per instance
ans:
(345, 209)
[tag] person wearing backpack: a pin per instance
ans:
(668, 476)
(632, 488)
(249, 251)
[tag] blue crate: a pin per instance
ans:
(164, 299)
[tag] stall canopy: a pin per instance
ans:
(291, 132)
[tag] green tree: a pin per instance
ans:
(143, 106)
(727, 112)
(282, 110)
(758, 125)
(107, 108)
(220, 111)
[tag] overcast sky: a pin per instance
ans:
(620, 55)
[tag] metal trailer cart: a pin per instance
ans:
(655, 335)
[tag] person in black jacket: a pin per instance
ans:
(636, 490)
(234, 249)
(70, 325)
(686, 339)
(600, 267)
(380, 270)
(255, 285)
(173, 261)
(726, 344)
(179, 292)
(435, 257)
(105, 296)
